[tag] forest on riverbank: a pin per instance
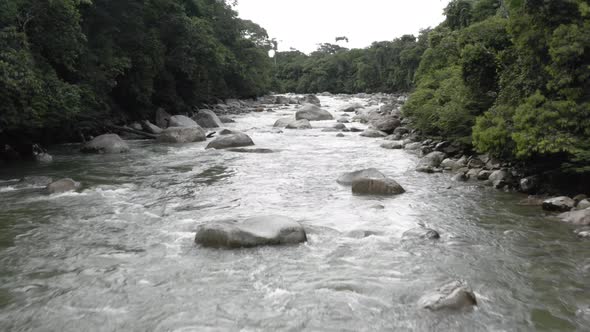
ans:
(69, 65)
(509, 77)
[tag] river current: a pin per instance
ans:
(119, 255)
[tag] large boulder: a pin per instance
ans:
(433, 159)
(312, 113)
(207, 119)
(162, 118)
(583, 204)
(452, 296)
(283, 122)
(421, 233)
(62, 186)
(387, 124)
(500, 178)
(311, 99)
(151, 128)
(579, 217)
(560, 204)
(181, 121)
(183, 135)
(299, 124)
(347, 178)
(373, 133)
(376, 186)
(258, 231)
(393, 145)
(413, 146)
(107, 143)
(230, 141)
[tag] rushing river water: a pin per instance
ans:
(119, 255)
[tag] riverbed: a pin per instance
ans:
(119, 255)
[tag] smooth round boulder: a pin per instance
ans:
(579, 217)
(484, 175)
(312, 99)
(151, 128)
(559, 204)
(343, 120)
(299, 124)
(257, 231)
(455, 295)
(346, 179)
(182, 135)
(350, 108)
(394, 145)
(386, 124)
(433, 159)
(421, 233)
(413, 146)
(583, 204)
(376, 186)
(339, 126)
(226, 131)
(373, 133)
(181, 121)
(283, 122)
(230, 141)
(207, 119)
(62, 186)
(312, 113)
(107, 143)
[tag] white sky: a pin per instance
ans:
(302, 24)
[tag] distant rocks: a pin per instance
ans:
(312, 112)
(62, 186)
(230, 141)
(311, 99)
(257, 231)
(183, 135)
(455, 295)
(350, 108)
(107, 143)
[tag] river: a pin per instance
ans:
(119, 255)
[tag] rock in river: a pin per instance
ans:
(299, 124)
(346, 179)
(312, 112)
(376, 186)
(107, 143)
(181, 121)
(257, 231)
(393, 145)
(230, 141)
(386, 124)
(62, 186)
(207, 119)
(560, 204)
(454, 296)
(373, 133)
(579, 217)
(183, 135)
(421, 233)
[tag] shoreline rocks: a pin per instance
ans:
(183, 135)
(236, 140)
(107, 144)
(312, 112)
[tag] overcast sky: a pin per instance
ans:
(302, 24)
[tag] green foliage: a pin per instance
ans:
(524, 75)
(62, 61)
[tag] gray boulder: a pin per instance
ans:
(62, 186)
(413, 146)
(162, 118)
(258, 231)
(299, 124)
(560, 204)
(583, 204)
(452, 296)
(151, 128)
(312, 99)
(484, 175)
(373, 133)
(421, 233)
(350, 108)
(312, 113)
(348, 178)
(386, 124)
(107, 143)
(579, 217)
(461, 177)
(376, 186)
(343, 120)
(183, 135)
(339, 126)
(230, 141)
(226, 131)
(181, 121)
(433, 159)
(283, 122)
(394, 145)
(207, 119)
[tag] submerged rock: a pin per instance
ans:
(62, 186)
(421, 233)
(347, 178)
(373, 133)
(230, 141)
(183, 135)
(257, 231)
(207, 119)
(299, 124)
(376, 186)
(452, 296)
(312, 99)
(107, 143)
(313, 113)
(394, 145)
(246, 150)
(34, 181)
(560, 204)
